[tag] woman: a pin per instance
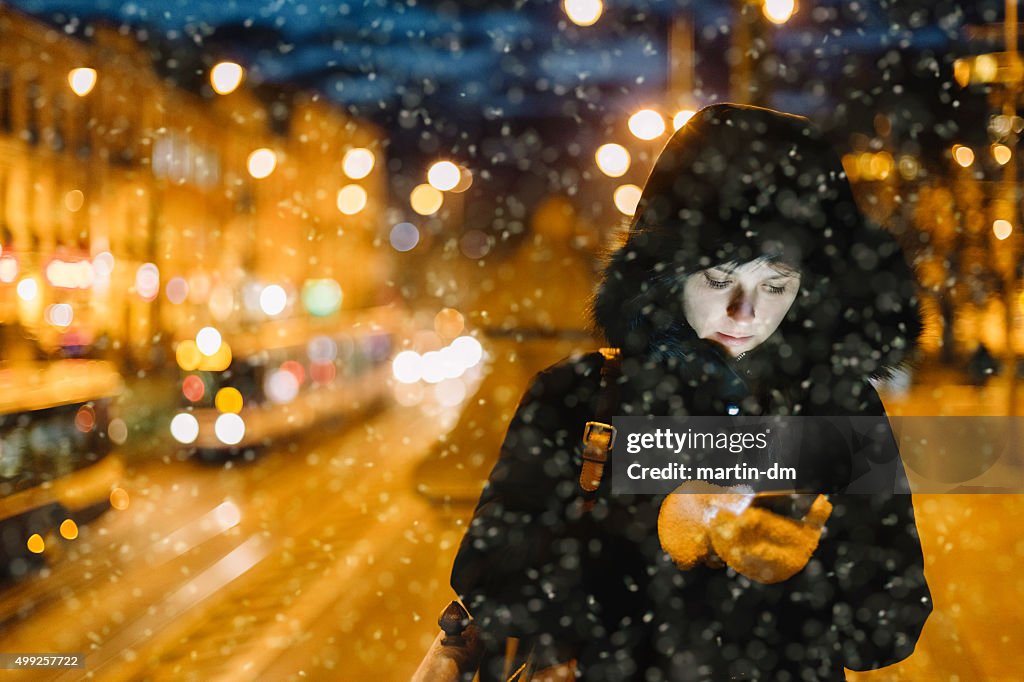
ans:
(749, 283)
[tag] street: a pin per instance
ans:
(319, 561)
(316, 561)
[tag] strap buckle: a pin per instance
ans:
(598, 437)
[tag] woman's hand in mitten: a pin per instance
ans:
(685, 517)
(765, 546)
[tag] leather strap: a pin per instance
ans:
(599, 434)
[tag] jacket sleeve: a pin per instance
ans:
(882, 598)
(518, 567)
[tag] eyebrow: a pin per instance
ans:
(787, 273)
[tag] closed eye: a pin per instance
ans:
(716, 283)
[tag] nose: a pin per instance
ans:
(741, 305)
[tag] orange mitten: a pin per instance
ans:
(765, 546)
(684, 521)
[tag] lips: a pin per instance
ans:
(729, 340)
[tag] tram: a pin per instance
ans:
(244, 390)
(58, 461)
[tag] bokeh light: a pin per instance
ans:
(778, 11)
(177, 290)
(465, 180)
(351, 199)
(647, 124)
(208, 340)
(444, 175)
(682, 117)
(1002, 228)
(193, 388)
(322, 372)
(407, 367)
(295, 369)
(358, 163)
(261, 163)
(229, 400)
(426, 200)
(147, 281)
(28, 289)
(281, 386)
(322, 349)
(583, 12)
(74, 200)
(118, 431)
(613, 159)
(60, 315)
(229, 429)
(35, 543)
(68, 529)
(225, 77)
(119, 499)
(188, 355)
(273, 300)
(82, 80)
(8, 269)
(626, 198)
(449, 323)
(404, 237)
(1001, 153)
(184, 428)
(468, 350)
(321, 297)
(963, 155)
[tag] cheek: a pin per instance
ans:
(777, 311)
(703, 311)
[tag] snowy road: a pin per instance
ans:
(318, 562)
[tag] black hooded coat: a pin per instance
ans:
(736, 183)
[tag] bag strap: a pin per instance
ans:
(598, 438)
(599, 434)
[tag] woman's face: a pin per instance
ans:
(739, 306)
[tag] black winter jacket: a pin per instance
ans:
(602, 586)
(734, 184)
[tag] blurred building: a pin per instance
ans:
(131, 210)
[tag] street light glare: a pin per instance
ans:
(1002, 228)
(444, 175)
(465, 180)
(426, 200)
(963, 155)
(647, 124)
(1001, 153)
(262, 163)
(626, 198)
(778, 11)
(225, 77)
(583, 12)
(351, 199)
(612, 159)
(681, 118)
(82, 80)
(358, 163)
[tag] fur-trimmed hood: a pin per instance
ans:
(739, 182)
